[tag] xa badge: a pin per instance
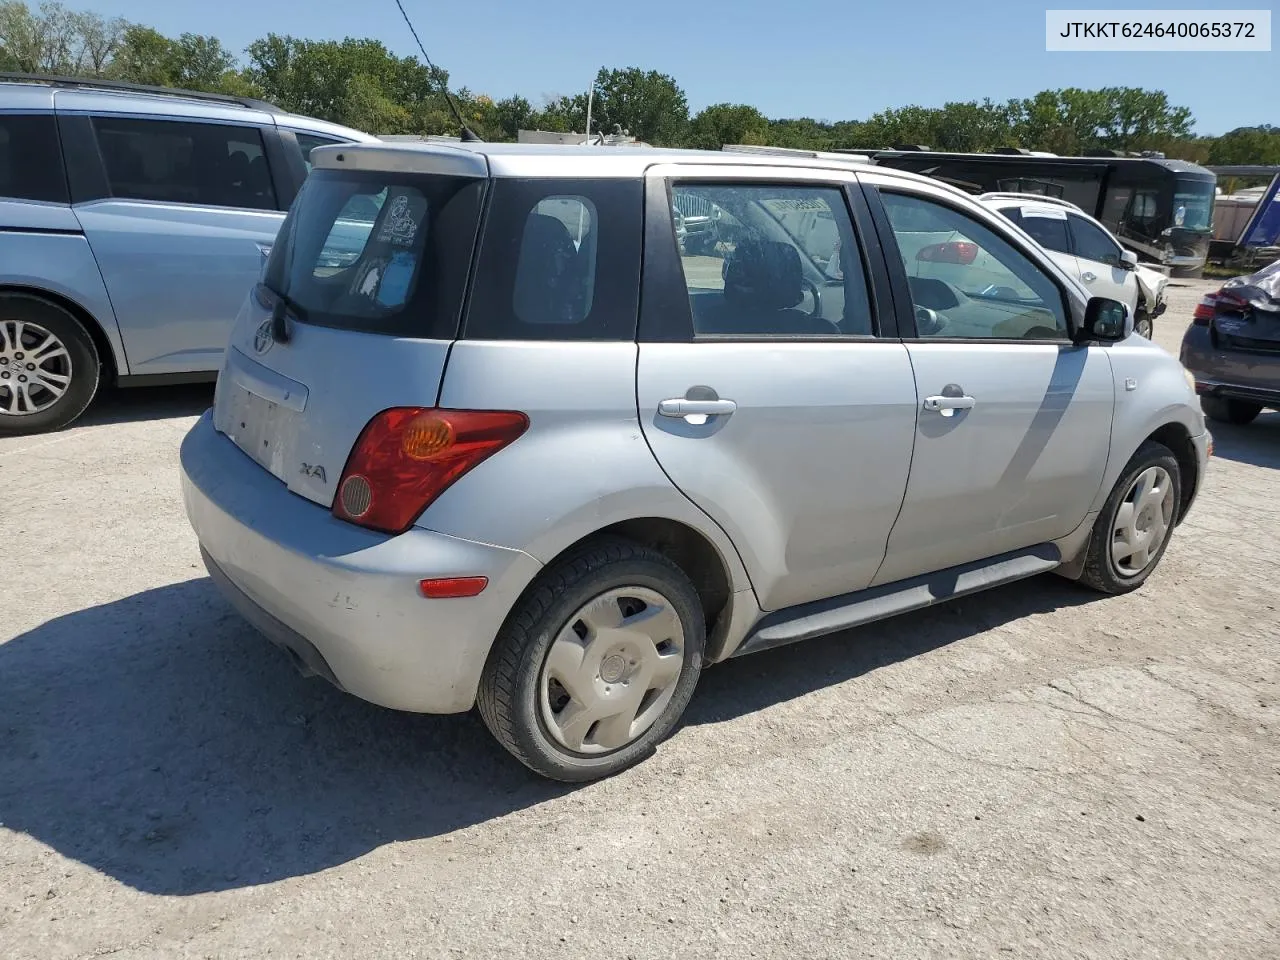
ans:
(313, 470)
(262, 339)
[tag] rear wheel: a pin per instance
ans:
(596, 664)
(1133, 530)
(1227, 410)
(49, 367)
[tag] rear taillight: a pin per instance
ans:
(408, 456)
(1204, 310)
(1215, 303)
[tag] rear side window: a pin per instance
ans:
(765, 260)
(1046, 227)
(211, 164)
(378, 252)
(30, 158)
(308, 142)
(559, 260)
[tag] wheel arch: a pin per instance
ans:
(692, 551)
(1177, 438)
(110, 363)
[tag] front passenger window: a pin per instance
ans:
(1092, 243)
(968, 282)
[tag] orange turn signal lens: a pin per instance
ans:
(426, 436)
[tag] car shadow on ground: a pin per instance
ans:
(130, 404)
(1257, 443)
(159, 740)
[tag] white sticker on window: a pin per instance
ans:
(1044, 213)
(399, 227)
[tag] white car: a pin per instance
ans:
(1087, 251)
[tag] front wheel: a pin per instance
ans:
(49, 367)
(1228, 410)
(1133, 529)
(596, 663)
(1143, 325)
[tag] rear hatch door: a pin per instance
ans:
(357, 308)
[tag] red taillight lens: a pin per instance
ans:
(1204, 310)
(954, 251)
(408, 456)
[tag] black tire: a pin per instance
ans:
(509, 694)
(1100, 569)
(1228, 410)
(85, 365)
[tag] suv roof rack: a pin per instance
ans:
(95, 83)
(795, 152)
(1038, 198)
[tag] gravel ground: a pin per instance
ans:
(1033, 772)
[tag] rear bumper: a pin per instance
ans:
(342, 599)
(1231, 373)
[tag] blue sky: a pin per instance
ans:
(822, 58)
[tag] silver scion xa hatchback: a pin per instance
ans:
(489, 433)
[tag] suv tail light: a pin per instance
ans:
(407, 456)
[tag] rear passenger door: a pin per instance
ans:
(180, 214)
(771, 385)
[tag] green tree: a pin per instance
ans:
(648, 104)
(57, 40)
(512, 115)
(563, 115)
(191, 62)
(1247, 145)
(801, 133)
(723, 123)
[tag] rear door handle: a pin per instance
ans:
(947, 406)
(695, 411)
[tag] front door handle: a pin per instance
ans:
(1088, 277)
(947, 406)
(695, 411)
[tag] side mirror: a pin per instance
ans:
(1128, 259)
(1105, 320)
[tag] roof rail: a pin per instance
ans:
(95, 83)
(1038, 198)
(795, 152)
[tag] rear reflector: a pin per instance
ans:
(450, 587)
(408, 456)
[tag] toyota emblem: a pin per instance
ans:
(262, 339)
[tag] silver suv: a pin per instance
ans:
(485, 433)
(133, 221)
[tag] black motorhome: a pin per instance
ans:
(1160, 209)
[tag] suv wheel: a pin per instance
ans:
(1226, 410)
(1143, 325)
(49, 367)
(596, 663)
(1133, 530)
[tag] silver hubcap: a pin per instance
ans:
(35, 368)
(611, 670)
(1142, 522)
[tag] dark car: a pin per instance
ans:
(1233, 347)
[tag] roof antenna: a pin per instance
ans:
(467, 134)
